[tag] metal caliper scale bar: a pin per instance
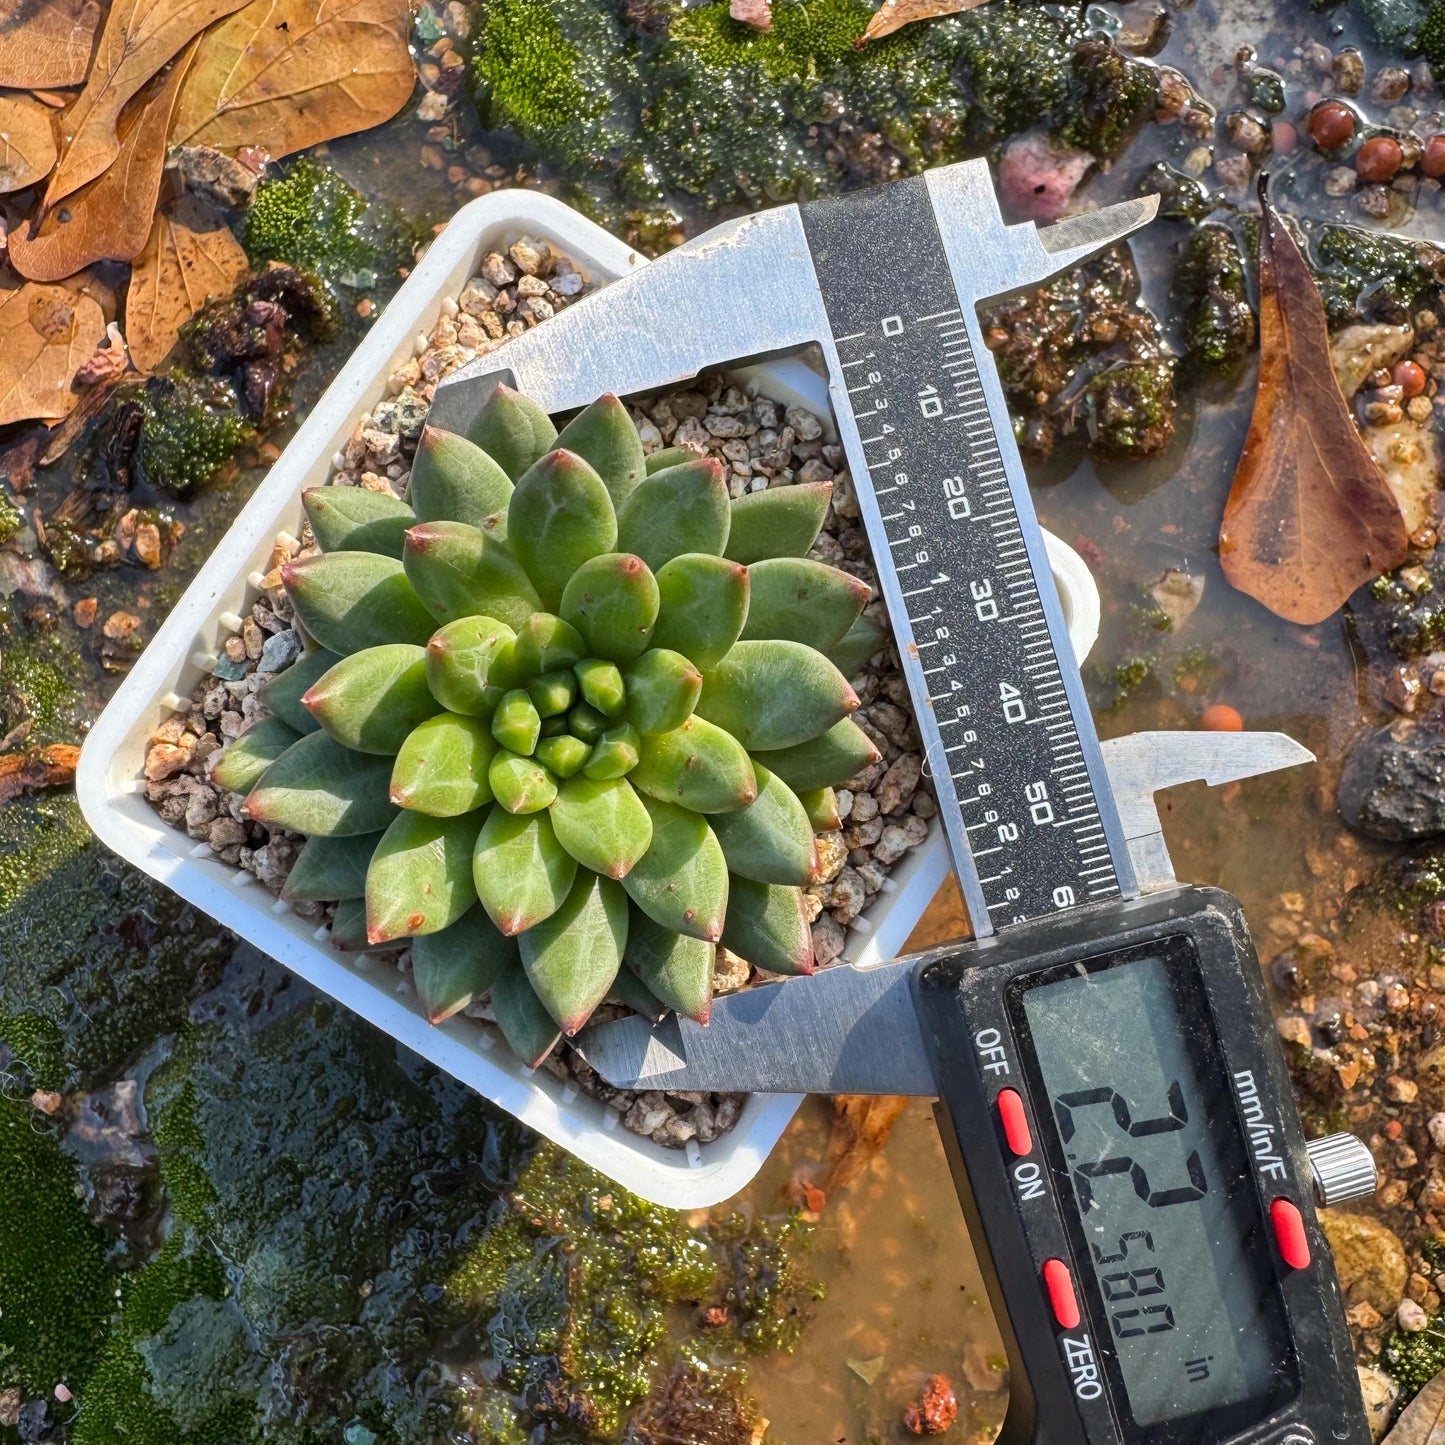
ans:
(887, 281)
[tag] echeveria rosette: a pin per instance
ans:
(567, 709)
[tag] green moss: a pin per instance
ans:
(309, 218)
(1414, 1359)
(1216, 322)
(1430, 39)
(181, 1144)
(528, 69)
(34, 1045)
(768, 1289)
(1181, 197)
(1368, 276)
(37, 684)
(191, 430)
(1395, 24)
(1110, 97)
(9, 521)
(55, 1289)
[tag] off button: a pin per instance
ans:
(1015, 1122)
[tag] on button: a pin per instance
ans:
(1015, 1122)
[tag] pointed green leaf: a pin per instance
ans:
(454, 480)
(703, 604)
(441, 768)
(371, 700)
(682, 509)
(662, 690)
(630, 991)
(854, 649)
(676, 968)
(800, 600)
(614, 754)
(612, 601)
(348, 926)
(563, 755)
(826, 761)
(420, 878)
(770, 840)
(778, 522)
(458, 965)
(545, 643)
(516, 724)
(461, 571)
(669, 457)
(521, 872)
(603, 825)
(560, 516)
(469, 665)
(530, 1031)
(356, 519)
(349, 601)
(767, 926)
(239, 767)
(681, 882)
(604, 436)
(585, 722)
(774, 694)
(331, 868)
(520, 784)
(282, 695)
(552, 693)
(513, 430)
(697, 765)
(320, 788)
(821, 805)
(572, 957)
(601, 686)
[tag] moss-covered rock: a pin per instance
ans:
(1216, 321)
(190, 431)
(1368, 276)
(309, 218)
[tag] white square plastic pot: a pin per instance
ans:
(111, 788)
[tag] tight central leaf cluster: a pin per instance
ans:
(569, 708)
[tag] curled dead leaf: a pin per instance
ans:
(47, 42)
(140, 37)
(190, 257)
(282, 75)
(861, 1126)
(46, 767)
(46, 332)
(893, 15)
(109, 218)
(27, 142)
(1310, 516)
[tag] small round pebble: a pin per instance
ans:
(1409, 376)
(1411, 1317)
(1432, 162)
(1221, 718)
(1379, 159)
(1331, 125)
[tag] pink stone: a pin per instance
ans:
(1037, 179)
(757, 13)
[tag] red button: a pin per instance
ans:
(1289, 1233)
(1061, 1293)
(1015, 1121)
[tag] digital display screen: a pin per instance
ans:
(1161, 1181)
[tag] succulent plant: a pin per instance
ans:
(570, 717)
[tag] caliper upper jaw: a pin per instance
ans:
(1143, 764)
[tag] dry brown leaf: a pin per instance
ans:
(109, 218)
(45, 334)
(893, 15)
(47, 42)
(1310, 516)
(35, 768)
(282, 75)
(140, 37)
(861, 1126)
(27, 142)
(190, 257)
(1423, 1419)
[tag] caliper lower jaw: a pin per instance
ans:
(1142, 764)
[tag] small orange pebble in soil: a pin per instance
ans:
(1432, 162)
(1410, 377)
(1331, 125)
(85, 611)
(934, 1411)
(1379, 159)
(1219, 717)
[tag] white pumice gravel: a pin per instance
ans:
(884, 810)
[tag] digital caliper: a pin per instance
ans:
(1110, 1087)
